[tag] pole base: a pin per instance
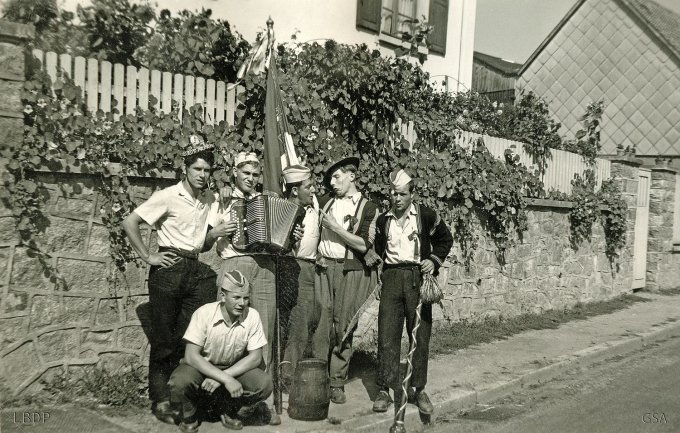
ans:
(398, 428)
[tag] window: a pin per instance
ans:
(396, 15)
(389, 17)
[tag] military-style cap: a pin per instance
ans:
(234, 281)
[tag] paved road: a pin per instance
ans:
(638, 393)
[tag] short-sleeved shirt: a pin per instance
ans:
(331, 244)
(181, 220)
(224, 247)
(402, 241)
(224, 344)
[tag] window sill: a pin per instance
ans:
(392, 41)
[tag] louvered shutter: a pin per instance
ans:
(368, 14)
(439, 13)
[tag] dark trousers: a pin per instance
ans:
(174, 294)
(398, 301)
(186, 392)
(305, 311)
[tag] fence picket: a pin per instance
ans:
(188, 92)
(177, 93)
(105, 87)
(210, 100)
(131, 90)
(92, 85)
(143, 89)
(118, 89)
(156, 88)
(231, 105)
(51, 65)
(79, 73)
(65, 64)
(219, 102)
(166, 93)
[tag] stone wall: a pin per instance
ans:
(541, 272)
(663, 261)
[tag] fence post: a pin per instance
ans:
(663, 265)
(13, 39)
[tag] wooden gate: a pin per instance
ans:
(641, 230)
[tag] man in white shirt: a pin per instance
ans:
(348, 230)
(178, 282)
(305, 307)
(259, 268)
(220, 370)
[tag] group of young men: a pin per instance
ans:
(211, 334)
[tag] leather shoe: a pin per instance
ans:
(338, 395)
(424, 404)
(230, 423)
(382, 401)
(188, 427)
(163, 411)
(274, 418)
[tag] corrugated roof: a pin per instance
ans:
(503, 66)
(663, 23)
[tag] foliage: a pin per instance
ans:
(124, 386)
(40, 13)
(587, 143)
(529, 122)
(614, 218)
(194, 43)
(585, 210)
(116, 28)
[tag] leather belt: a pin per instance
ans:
(180, 252)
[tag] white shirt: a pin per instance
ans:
(224, 247)
(181, 220)
(222, 344)
(332, 244)
(310, 239)
(403, 244)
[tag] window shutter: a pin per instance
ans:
(439, 13)
(368, 14)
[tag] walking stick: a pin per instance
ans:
(398, 426)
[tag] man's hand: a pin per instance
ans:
(426, 266)
(328, 222)
(164, 259)
(298, 232)
(233, 386)
(210, 385)
(224, 228)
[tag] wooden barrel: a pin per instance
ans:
(310, 394)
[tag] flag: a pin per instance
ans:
(279, 151)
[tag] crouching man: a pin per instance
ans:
(222, 366)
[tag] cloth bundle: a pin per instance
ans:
(430, 292)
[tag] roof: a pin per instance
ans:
(503, 66)
(661, 22)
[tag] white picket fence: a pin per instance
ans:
(126, 88)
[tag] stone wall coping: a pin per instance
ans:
(543, 202)
(11, 31)
(626, 160)
(61, 166)
(657, 169)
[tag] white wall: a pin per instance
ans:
(336, 19)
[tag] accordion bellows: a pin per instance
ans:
(265, 223)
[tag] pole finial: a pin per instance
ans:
(270, 22)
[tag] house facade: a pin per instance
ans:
(626, 52)
(376, 23)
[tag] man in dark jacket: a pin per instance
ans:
(412, 240)
(347, 232)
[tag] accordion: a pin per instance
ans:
(265, 223)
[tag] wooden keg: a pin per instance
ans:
(310, 394)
